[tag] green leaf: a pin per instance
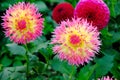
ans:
(48, 29)
(17, 63)
(19, 58)
(63, 67)
(57, 78)
(17, 75)
(58, 1)
(111, 5)
(41, 6)
(16, 49)
(13, 73)
(36, 64)
(1, 67)
(116, 70)
(6, 61)
(46, 52)
(108, 38)
(4, 5)
(116, 36)
(5, 74)
(117, 8)
(114, 7)
(86, 72)
(38, 78)
(37, 44)
(39, 67)
(104, 65)
(109, 51)
(116, 67)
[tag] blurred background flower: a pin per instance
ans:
(95, 11)
(62, 12)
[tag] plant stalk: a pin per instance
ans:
(27, 60)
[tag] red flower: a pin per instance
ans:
(62, 12)
(95, 11)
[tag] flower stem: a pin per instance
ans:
(27, 60)
(71, 75)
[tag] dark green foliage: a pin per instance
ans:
(44, 65)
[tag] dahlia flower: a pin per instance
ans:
(76, 41)
(95, 11)
(106, 78)
(62, 12)
(22, 23)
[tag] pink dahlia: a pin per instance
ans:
(106, 78)
(95, 11)
(76, 41)
(22, 23)
(62, 12)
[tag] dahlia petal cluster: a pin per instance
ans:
(76, 41)
(106, 78)
(95, 11)
(62, 12)
(22, 23)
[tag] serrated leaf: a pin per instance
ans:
(36, 64)
(4, 75)
(116, 70)
(11, 73)
(116, 36)
(16, 49)
(41, 6)
(17, 63)
(117, 8)
(46, 52)
(37, 44)
(110, 52)
(86, 72)
(17, 75)
(48, 29)
(104, 65)
(63, 67)
(114, 7)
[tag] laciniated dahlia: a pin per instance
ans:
(62, 12)
(76, 41)
(106, 78)
(22, 23)
(95, 11)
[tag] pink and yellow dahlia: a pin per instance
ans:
(106, 78)
(76, 41)
(22, 23)
(95, 11)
